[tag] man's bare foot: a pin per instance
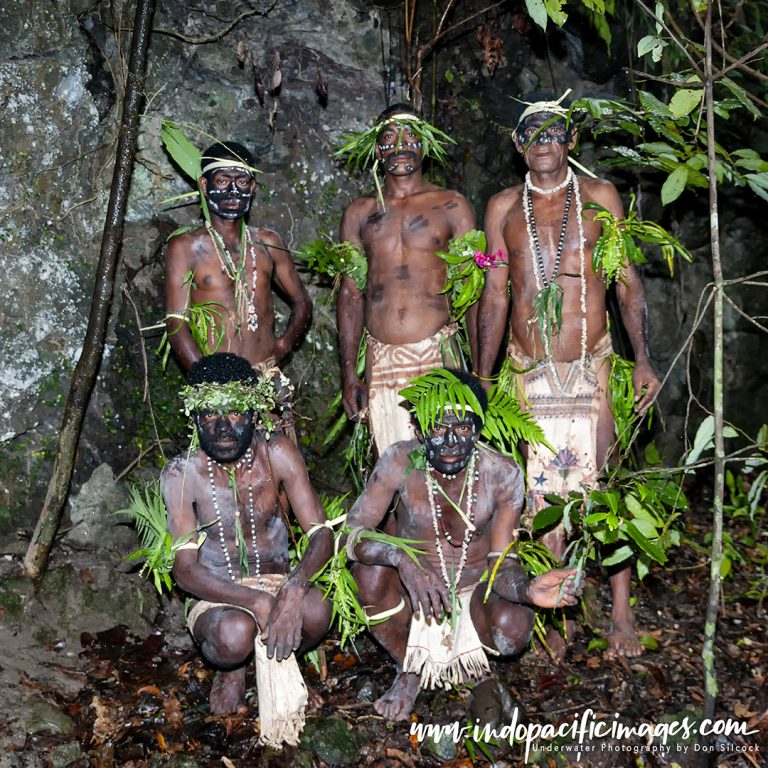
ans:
(228, 692)
(623, 641)
(398, 701)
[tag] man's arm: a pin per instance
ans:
(283, 629)
(191, 575)
(350, 308)
(288, 281)
(494, 303)
(634, 312)
(178, 286)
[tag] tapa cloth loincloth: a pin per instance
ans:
(281, 689)
(565, 403)
(443, 655)
(389, 368)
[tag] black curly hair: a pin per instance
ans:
(221, 368)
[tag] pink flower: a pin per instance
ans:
(486, 260)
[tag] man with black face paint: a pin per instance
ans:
(232, 268)
(237, 564)
(463, 508)
(402, 309)
(548, 235)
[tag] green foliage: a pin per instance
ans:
(548, 312)
(616, 249)
(332, 259)
(205, 325)
(232, 397)
(336, 580)
(437, 391)
(621, 394)
(158, 547)
(671, 140)
(634, 515)
(358, 148)
(466, 263)
(183, 152)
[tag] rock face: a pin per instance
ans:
(61, 74)
(254, 73)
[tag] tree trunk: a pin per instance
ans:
(713, 602)
(88, 365)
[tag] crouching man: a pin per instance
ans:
(462, 501)
(237, 564)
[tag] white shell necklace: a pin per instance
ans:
(245, 299)
(470, 491)
(535, 251)
(247, 460)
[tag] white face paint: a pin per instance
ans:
(449, 444)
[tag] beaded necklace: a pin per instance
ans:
(470, 490)
(537, 261)
(246, 301)
(247, 460)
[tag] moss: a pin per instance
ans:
(11, 602)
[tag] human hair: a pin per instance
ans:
(224, 150)
(221, 368)
(396, 109)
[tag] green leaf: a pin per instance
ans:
(684, 101)
(703, 440)
(184, 153)
(537, 11)
(555, 11)
(642, 567)
(618, 556)
(649, 642)
(646, 546)
(647, 44)
(597, 644)
(546, 518)
(652, 105)
(674, 185)
(742, 96)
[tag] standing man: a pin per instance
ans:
(463, 508)
(230, 269)
(402, 310)
(548, 237)
(236, 564)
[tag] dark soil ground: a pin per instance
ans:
(143, 700)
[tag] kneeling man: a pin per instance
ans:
(461, 499)
(229, 492)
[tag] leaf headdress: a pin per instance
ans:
(505, 423)
(359, 147)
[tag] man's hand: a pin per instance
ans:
(555, 589)
(354, 397)
(425, 587)
(644, 377)
(283, 628)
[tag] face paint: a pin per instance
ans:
(230, 200)
(531, 131)
(399, 145)
(225, 437)
(449, 444)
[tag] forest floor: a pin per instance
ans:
(134, 699)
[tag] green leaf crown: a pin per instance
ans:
(359, 147)
(232, 397)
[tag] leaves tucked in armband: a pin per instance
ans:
(332, 259)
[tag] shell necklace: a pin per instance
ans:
(470, 491)
(247, 460)
(537, 261)
(245, 299)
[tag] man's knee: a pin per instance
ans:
(374, 582)
(511, 626)
(228, 638)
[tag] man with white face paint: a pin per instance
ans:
(231, 268)
(548, 235)
(402, 310)
(461, 501)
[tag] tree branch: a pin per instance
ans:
(217, 35)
